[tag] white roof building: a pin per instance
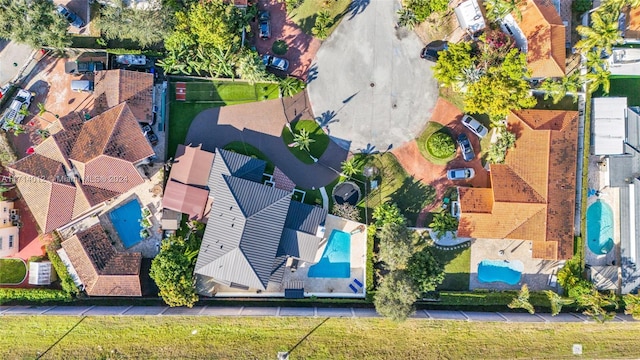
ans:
(609, 116)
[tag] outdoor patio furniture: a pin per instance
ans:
(353, 288)
(357, 282)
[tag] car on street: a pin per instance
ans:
(461, 174)
(432, 50)
(73, 19)
(264, 24)
(275, 62)
(475, 126)
(465, 147)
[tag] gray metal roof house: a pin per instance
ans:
(253, 228)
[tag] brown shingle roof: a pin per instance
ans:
(545, 33)
(103, 270)
(113, 87)
(191, 166)
(533, 192)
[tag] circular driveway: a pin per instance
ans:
(368, 83)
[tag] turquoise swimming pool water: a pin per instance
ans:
(126, 221)
(600, 228)
(504, 271)
(336, 258)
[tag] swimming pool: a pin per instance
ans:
(126, 221)
(600, 228)
(504, 271)
(336, 258)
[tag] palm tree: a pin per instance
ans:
(349, 167)
(222, 62)
(597, 79)
(498, 9)
(407, 18)
(24, 110)
(558, 89)
(303, 140)
(522, 300)
(602, 35)
(43, 133)
(557, 301)
(443, 222)
(42, 109)
(632, 305)
(290, 86)
(594, 304)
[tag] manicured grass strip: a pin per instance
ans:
(626, 86)
(316, 148)
(249, 338)
(432, 127)
(456, 268)
(210, 94)
(12, 271)
(305, 15)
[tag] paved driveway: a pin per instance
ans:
(370, 74)
(260, 124)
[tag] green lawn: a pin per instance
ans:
(432, 127)
(12, 271)
(205, 95)
(182, 337)
(305, 15)
(316, 148)
(456, 268)
(624, 86)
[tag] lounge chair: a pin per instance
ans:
(357, 282)
(353, 288)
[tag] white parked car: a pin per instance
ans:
(130, 59)
(22, 100)
(461, 174)
(475, 126)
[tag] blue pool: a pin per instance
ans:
(126, 220)
(600, 228)
(336, 258)
(504, 271)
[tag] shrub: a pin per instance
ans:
(387, 214)
(346, 211)
(371, 235)
(292, 4)
(68, 286)
(581, 6)
(279, 47)
(396, 296)
(423, 8)
(33, 295)
(440, 145)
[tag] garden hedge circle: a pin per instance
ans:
(279, 47)
(441, 145)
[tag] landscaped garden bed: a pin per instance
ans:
(318, 140)
(12, 271)
(436, 144)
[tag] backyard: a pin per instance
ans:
(338, 338)
(623, 86)
(12, 271)
(456, 268)
(204, 95)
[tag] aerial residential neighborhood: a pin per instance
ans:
(271, 178)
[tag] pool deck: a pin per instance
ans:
(146, 197)
(536, 271)
(599, 180)
(319, 287)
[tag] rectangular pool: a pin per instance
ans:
(336, 258)
(126, 221)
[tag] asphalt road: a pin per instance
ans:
(290, 311)
(12, 53)
(368, 81)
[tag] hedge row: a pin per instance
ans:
(32, 295)
(68, 286)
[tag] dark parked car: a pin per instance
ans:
(264, 24)
(275, 62)
(151, 136)
(432, 50)
(466, 148)
(73, 19)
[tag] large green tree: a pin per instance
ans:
(145, 27)
(425, 270)
(249, 67)
(558, 89)
(172, 270)
(396, 296)
(33, 22)
(388, 213)
(397, 244)
(452, 63)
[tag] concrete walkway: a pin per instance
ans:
(368, 81)
(291, 312)
(260, 124)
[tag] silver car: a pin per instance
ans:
(461, 174)
(475, 126)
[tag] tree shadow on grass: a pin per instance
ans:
(412, 196)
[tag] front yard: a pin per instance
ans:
(204, 95)
(305, 14)
(12, 271)
(318, 140)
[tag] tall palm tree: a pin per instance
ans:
(594, 305)
(557, 301)
(558, 89)
(303, 140)
(522, 300)
(598, 79)
(602, 35)
(290, 86)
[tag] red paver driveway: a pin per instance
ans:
(415, 164)
(302, 47)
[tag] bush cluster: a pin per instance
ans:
(32, 295)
